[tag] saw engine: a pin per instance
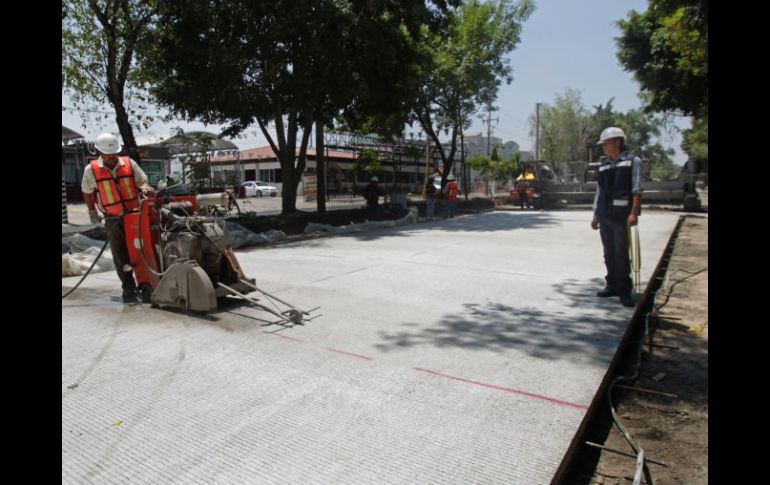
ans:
(184, 260)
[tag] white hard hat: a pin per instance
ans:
(450, 177)
(107, 143)
(611, 132)
(375, 179)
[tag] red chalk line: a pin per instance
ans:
(506, 389)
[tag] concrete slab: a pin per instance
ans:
(461, 351)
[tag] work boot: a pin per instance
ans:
(129, 295)
(129, 287)
(607, 292)
(627, 301)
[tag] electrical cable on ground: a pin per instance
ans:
(106, 243)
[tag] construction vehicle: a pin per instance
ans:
(538, 178)
(184, 260)
(577, 186)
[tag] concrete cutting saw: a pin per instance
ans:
(183, 259)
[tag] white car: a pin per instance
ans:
(258, 189)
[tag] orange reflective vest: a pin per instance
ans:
(452, 191)
(117, 194)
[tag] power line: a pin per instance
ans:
(82, 110)
(86, 110)
(516, 119)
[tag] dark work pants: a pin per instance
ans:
(372, 208)
(449, 208)
(119, 251)
(614, 234)
(523, 199)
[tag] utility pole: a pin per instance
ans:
(537, 131)
(238, 168)
(488, 121)
(490, 189)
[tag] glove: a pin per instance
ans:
(94, 216)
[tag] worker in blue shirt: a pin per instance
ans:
(616, 207)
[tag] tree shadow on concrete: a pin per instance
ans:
(582, 294)
(592, 334)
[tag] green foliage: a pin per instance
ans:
(641, 130)
(197, 165)
(566, 127)
(492, 169)
(569, 132)
(291, 63)
(468, 63)
(495, 157)
(696, 139)
(368, 162)
(666, 47)
(507, 169)
(99, 42)
(198, 172)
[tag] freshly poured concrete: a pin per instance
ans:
(461, 351)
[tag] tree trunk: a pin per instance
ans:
(126, 132)
(289, 190)
(320, 167)
(288, 199)
(464, 178)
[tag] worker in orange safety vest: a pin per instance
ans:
(450, 190)
(111, 186)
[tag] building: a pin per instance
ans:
(261, 164)
(77, 151)
(188, 148)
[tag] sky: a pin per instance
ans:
(564, 44)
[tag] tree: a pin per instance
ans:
(641, 128)
(569, 132)
(468, 65)
(565, 129)
(483, 164)
(367, 162)
(666, 47)
(696, 139)
(237, 63)
(99, 42)
(494, 169)
(196, 159)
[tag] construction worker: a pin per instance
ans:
(521, 188)
(450, 190)
(616, 207)
(372, 196)
(430, 198)
(110, 190)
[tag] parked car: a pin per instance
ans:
(265, 189)
(257, 189)
(248, 189)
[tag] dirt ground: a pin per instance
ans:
(671, 430)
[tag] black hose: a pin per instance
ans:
(107, 242)
(615, 418)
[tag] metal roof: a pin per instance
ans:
(67, 134)
(195, 141)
